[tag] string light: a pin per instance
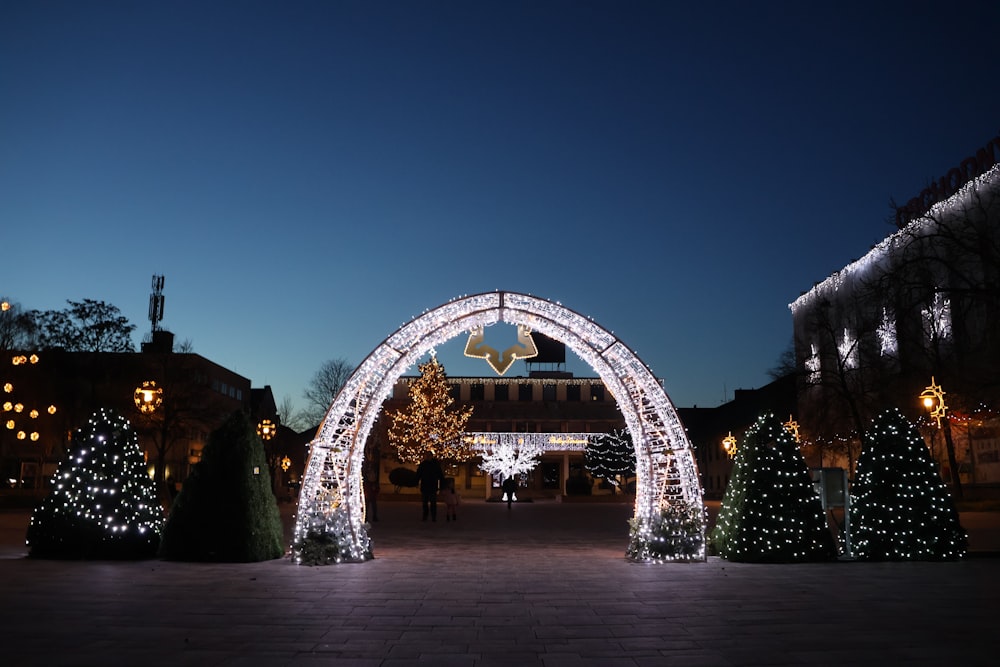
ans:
(666, 473)
(900, 507)
(102, 505)
(770, 511)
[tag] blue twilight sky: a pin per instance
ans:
(309, 176)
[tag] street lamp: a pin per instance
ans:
(932, 398)
(729, 444)
(792, 427)
(148, 397)
(266, 429)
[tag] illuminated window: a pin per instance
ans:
(597, 392)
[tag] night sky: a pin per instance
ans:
(309, 176)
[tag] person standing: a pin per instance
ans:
(451, 500)
(429, 475)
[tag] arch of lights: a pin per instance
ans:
(666, 472)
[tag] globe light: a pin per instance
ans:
(148, 397)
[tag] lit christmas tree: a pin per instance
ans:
(771, 513)
(226, 510)
(103, 503)
(428, 424)
(900, 506)
(611, 457)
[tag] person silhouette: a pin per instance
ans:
(429, 475)
(509, 486)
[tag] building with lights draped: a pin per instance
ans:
(921, 307)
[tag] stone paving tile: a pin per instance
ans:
(545, 586)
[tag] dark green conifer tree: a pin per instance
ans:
(611, 457)
(102, 503)
(770, 512)
(226, 510)
(900, 506)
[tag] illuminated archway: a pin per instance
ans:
(669, 516)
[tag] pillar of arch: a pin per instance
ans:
(669, 516)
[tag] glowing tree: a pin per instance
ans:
(771, 513)
(611, 457)
(507, 459)
(900, 506)
(226, 510)
(428, 425)
(103, 503)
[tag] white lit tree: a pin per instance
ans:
(429, 423)
(900, 506)
(771, 513)
(508, 460)
(102, 503)
(611, 457)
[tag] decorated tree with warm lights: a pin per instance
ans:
(226, 510)
(771, 513)
(102, 503)
(429, 423)
(900, 506)
(611, 457)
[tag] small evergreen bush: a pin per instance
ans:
(102, 504)
(771, 513)
(226, 510)
(900, 506)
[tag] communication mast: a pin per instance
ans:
(156, 303)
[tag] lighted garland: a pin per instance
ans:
(900, 507)
(665, 468)
(102, 503)
(770, 511)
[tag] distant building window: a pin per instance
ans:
(455, 390)
(232, 392)
(572, 392)
(501, 392)
(477, 392)
(548, 392)
(225, 389)
(525, 392)
(239, 394)
(597, 392)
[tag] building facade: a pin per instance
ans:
(921, 308)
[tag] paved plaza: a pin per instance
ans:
(544, 584)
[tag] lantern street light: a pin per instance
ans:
(266, 429)
(932, 398)
(286, 463)
(148, 397)
(792, 427)
(729, 444)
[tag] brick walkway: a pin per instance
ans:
(543, 584)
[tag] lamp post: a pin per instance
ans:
(148, 397)
(266, 429)
(932, 399)
(729, 444)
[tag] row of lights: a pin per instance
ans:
(932, 398)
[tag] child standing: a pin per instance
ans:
(450, 499)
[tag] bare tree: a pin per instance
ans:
(17, 331)
(289, 417)
(323, 388)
